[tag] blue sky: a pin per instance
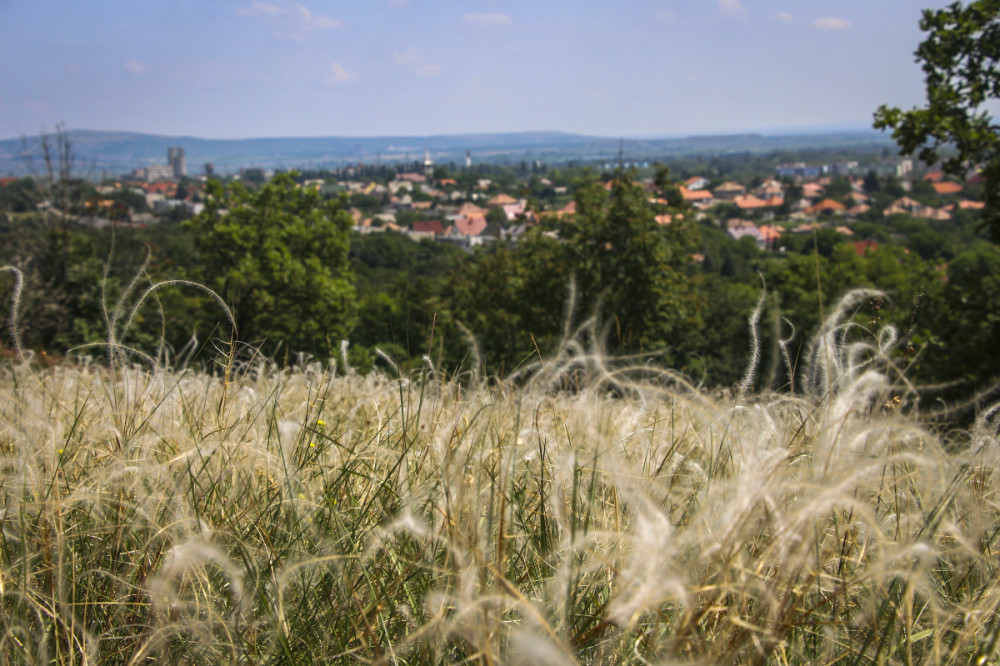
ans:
(619, 68)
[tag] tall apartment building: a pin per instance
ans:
(175, 158)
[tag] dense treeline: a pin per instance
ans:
(609, 277)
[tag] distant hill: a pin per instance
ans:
(98, 152)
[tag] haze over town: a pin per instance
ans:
(237, 68)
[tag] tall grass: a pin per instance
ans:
(312, 515)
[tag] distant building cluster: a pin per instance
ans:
(803, 171)
(175, 158)
(175, 168)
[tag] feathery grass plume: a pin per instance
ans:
(477, 359)
(636, 518)
(754, 361)
(13, 323)
(344, 345)
(832, 364)
(783, 345)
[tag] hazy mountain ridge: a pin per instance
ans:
(117, 152)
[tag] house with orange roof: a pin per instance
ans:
(934, 176)
(445, 182)
(971, 205)
(771, 233)
(770, 189)
(696, 183)
(166, 189)
(856, 211)
(470, 226)
(737, 229)
(501, 200)
(947, 187)
(846, 231)
(812, 190)
(916, 209)
(826, 207)
(693, 196)
(470, 209)
(568, 209)
(749, 202)
(729, 191)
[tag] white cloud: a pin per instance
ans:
(665, 16)
(427, 69)
(831, 23)
(414, 60)
(785, 17)
(256, 8)
(133, 66)
(732, 8)
(339, 75)
(288, 20)
(407, 58)
(491, 20)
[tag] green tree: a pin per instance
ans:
(513, 301)
(960, 325)
(960, 57)
(278, 257)
(631, 265)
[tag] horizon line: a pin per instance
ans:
(773, 131)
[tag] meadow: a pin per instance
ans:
(583, 510)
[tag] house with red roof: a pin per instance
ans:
(427, 227)
(861, 248)
(470, 226)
